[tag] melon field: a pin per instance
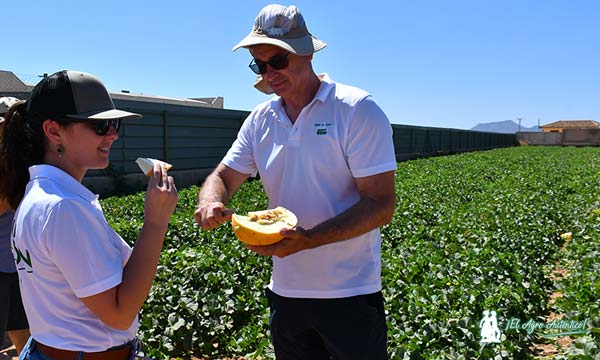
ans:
(515, 231)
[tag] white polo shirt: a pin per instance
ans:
(309, 167)
(65, 250)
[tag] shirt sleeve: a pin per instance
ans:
(240, 156)
(370, 147)
(82, 246)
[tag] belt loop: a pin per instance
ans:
(28, 349)
(136, 346)
(136, 349)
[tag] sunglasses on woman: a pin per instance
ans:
(277, 62)
(100, 127)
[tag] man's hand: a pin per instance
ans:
(374, 209)
(214, 194)
(294, 240)
(211, 215)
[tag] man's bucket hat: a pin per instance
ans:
(282, 26)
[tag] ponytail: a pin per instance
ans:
(22, 144)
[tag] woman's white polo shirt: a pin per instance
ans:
(65, 250)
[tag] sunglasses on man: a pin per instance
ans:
(277, 62)
(100, 127)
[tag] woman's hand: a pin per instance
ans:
(119, 306)
(161, 197)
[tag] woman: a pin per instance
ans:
(13, 320)
(82, 286)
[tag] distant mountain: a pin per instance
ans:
(504, 127)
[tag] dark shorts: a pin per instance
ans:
(340, 329)
(12, 314)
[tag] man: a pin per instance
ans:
(324, 151)
(12, 314)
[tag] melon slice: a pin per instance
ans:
(147, 165)
(262, 227)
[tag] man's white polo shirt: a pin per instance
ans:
(65, 250)
(309, 167)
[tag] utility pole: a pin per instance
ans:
(519, 123)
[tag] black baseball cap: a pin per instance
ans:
(73, 94)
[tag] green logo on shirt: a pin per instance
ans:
(321, 131)
(26, 258)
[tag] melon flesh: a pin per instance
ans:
(262, 227)
(147, 165)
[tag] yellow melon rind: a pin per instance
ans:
(252, 233)
(147, 165)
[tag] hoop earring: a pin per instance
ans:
(60, 150)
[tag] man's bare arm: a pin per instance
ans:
(374, 209)
(215, 193)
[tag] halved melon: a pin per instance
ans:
(262, 227)
(147, 165)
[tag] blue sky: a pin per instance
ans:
(436, 63)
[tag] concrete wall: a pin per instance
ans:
(581, 137)
(539, 138)
(569, 137)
